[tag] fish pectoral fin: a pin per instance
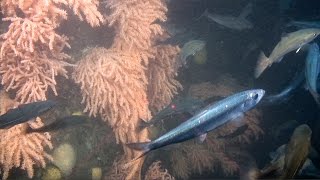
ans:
(202, 137)
(278, 60)
(298, 49)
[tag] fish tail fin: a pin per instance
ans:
(205, 13)
(249, 171)
(144, 147)
(316, 98)
(250, 174)
(262, 64)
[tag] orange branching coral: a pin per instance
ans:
(89, 9)
(162, 72)
(191, 157)
(117, 171)
(31, 51)
(180, 164)
(134, 22)
(114, 82)
(48, 9)
(24, 66)
(155, 172)
(51, 9)
(26, 35)
(224, 86)
(113, 85)
(18, 149)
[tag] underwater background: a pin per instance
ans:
(129, 71)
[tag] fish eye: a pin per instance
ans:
(314, 34)
(255, 97)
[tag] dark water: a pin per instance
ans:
(225, 48)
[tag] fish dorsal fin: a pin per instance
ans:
(246, 11)
(202, 137)
(284, 35)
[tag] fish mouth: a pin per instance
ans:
(259, 93)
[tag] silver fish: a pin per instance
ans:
(290, 42)
(313, 70)
(210, 118)
(236, 23)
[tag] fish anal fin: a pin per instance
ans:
(202, 137)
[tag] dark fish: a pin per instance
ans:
(211, 117)
(285, 94)
(236, 23)
(24, 113)
(61, 123)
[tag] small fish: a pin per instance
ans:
(61, 123)
(285, 94)
(208, 119)
(191, 48)
(236, 23)
(24, 113)
(290, 42)
(313, 70)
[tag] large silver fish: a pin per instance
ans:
(211, 117)
(236, 23)
(290, 42)
(313, 70)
